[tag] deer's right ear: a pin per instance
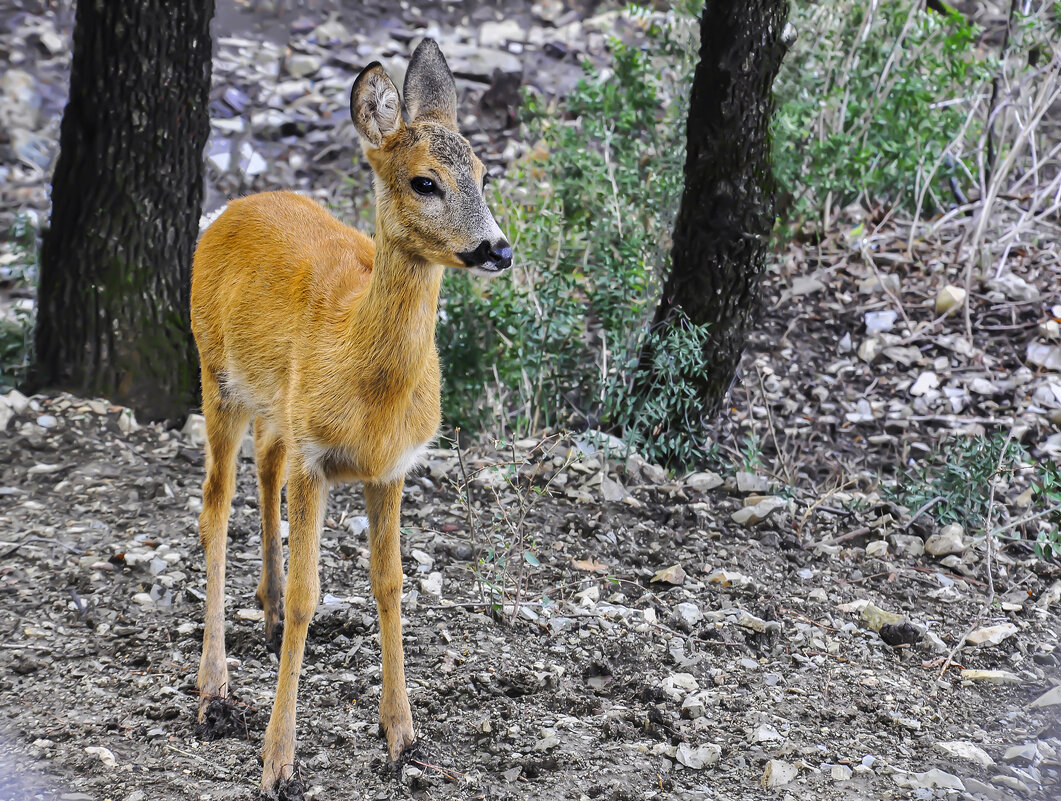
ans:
(374, 106)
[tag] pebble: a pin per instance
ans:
(106, 756)
(689, 613)
(302, 65)
(695, 705)
(1012, 783)
(750, 482)
(698, 758)
(949, 298)
(778, 773)
(946, 542)
(194, 430)
(877, 549)
(926, 382)
(991, 676)
(841, 773)
(908, 544)
(992, 635)
(702, 482)
(357, 525)
(144, 599)
(751, 515)
(765, 734)
(47, 421)
(677, 685)
(929, 780)
(878, 321)
(728, 578)
(432, 585)
(966, 750)
(1049, 698)
(874, 617)
(1021, 753)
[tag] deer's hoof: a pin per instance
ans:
(274, 636)
(219, 717)
(287, 790)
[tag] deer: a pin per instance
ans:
(325, 338)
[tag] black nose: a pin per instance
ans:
(497, 255)
(501, 254)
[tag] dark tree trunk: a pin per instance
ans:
(126, 196)
(723, 227)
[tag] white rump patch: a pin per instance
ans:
(412, 458)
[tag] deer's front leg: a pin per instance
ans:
(385, 566)
(305, 502)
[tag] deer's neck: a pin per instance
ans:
(394, 322)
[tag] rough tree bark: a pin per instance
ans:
(723, 227)
(126, 196)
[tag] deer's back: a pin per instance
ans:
(271, 276)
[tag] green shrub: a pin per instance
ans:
(959, 473)
(16, 325)
(590, 211)
(878, 99)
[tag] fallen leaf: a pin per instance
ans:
(590, 565)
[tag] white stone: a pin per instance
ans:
(689, 612)
(966, 750)
(16, 401)
(878, 321)
(194, 431)
(926, 382)
(778, 773)
(105, 755)
(991, 635)
(877, 549)
(949, 298)
(698, 758)
(946, 542)
(1043, 355)
(432, 584)
(750, 482)
(750, 515)
(1049, 698)
(301, 65)
(702, 482)
(841, 773)
(929, 780)
(766, 734)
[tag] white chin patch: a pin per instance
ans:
(485, 271)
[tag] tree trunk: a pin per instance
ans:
(723, 227)
(113, 316)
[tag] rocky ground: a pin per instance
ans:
(777, 629)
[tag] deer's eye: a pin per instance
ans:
(424, 186)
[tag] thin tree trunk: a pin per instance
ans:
(126, 197)
(723, 227)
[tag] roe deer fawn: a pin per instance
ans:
(327, 340)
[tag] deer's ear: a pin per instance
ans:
(374, 106)
(430, 92)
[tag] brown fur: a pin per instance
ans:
(326, 339)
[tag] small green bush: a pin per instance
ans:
(880, 99)
(590, 211)
(16, 326)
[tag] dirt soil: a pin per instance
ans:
(603, 692)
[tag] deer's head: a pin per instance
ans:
(429, 183)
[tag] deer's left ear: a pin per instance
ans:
(430, 92)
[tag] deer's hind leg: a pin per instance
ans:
(226, 424)
(271, 456)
